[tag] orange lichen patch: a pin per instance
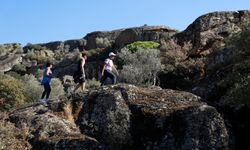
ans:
(67, 109)
(77, 111)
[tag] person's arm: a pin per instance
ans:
(114, 68)
(82, 65)
(48, 72)
(103, 68)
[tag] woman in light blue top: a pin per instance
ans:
(47, 75)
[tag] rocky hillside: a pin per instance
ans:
(124, 117)
(209, 59)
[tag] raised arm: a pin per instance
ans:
(48, 72)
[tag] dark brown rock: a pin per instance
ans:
(212, 29)
(50, 130)
(125, 117)
(144, 33)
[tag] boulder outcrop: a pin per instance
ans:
(125, 117)
(211, 30)
(51, 129)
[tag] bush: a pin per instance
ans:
(174, 53)
(57, 88)
(35, 47)
(19, 68)
(240, 42)
(12, 91)
(33, 88)
(133, 47)
(14, 75)
(239, 93)
(93, 83)
(102, 42)
(36, 55)
(140, 67)
(12, 137)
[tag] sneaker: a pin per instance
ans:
(43, 102)
(47, 100)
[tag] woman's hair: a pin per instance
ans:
(48, 64)
(84, 54)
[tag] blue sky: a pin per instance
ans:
(39, 21)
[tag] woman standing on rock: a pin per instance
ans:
(47, 75)
(79, 75)
(108, 68)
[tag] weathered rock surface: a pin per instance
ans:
(10, 55)
(125, 117)
(211, 30)
(195, 60)
(10, 140)
(51, 129)
(144, 33)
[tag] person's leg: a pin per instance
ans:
(48, 91)
(112, 76)
(104, 78)
(44, 92)
(76, 88)
(83, 86)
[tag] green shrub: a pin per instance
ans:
(33, 89)
(140, 67)
(35, 47)
(102, 42)
(35, 55)
(57, 88)
(12, 90)
(92, 83)
(14, 75)
(142, 45)
(239, 92)
(19, 68)
(240, 41)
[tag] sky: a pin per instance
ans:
(42, 21)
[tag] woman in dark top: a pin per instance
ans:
(47, 75)
(81, 72)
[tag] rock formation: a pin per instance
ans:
(199, 60)
(125, 117)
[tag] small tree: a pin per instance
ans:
(102, 42)
(140, 67)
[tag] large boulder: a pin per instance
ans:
(8, 61)
(210, 31)
(129, 117)
(10, 55)
(191, 55)
(228, 90)
(52, 127)
(144, 33)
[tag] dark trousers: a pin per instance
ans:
(47, 90)
(108, 74)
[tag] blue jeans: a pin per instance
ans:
(108, 74)
(47, 90)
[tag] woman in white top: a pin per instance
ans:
(108, 68)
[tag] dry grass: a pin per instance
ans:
(12, 137)
(67, 109)
(77, 111)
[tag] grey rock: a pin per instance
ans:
(125, 117)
